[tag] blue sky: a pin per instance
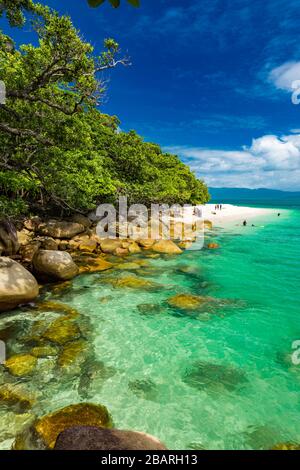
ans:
(210, 80)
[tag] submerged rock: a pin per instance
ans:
(133, 282)
(94, 265)
(74, 352)
(93, 438)
(92, 371)
(17, 285)
(21, 365)
(62, 331)
(59, 307)
(106, 299)
(43, 433)
(153, 256)
(213, 246)
(188, 301)
(61, 288)
(128, 266)
(55, 265)
(12, 424)
(261, 437)
(150, 309)
(207, 375)
(286, 446)
(188, 269)
(166, 246)
(44, 351)
(15, 396)
(144, 388)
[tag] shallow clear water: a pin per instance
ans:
(217, 378)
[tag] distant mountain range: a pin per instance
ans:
(255, 197)
(252, 194)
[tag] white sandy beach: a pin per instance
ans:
(235, 215)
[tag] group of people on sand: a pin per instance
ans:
(218, 207)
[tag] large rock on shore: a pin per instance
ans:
(82, 220)
(9, 244)
(63, 230)
(17, 285)
(28, 252)
(110, 245)
(55, 265)
(146, 243)
(93, 438)
(166, 246)
(43, 433)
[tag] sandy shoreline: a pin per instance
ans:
(235, 215)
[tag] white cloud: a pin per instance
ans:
(270, 162)
(284, 75)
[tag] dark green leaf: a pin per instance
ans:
(134, 3)
(115, 3)
(95, 3)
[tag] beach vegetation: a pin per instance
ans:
(59, 153)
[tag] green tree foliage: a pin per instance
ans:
(114, 3)
(15, 9)
(58, 151)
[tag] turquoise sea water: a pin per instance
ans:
(217, 378)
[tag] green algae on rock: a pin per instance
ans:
(204, 375)
(144, 388)
(16, 396)
(286, 446)
(21, 365)
(44, 351)
(150, 309)
(59, 307)
(43, 433)
(188, 301)
(62, 331)
(73, 353)
(131, 282)
(128, 266)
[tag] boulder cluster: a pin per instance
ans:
(41, 251)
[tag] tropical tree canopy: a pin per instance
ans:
(114, 3)
(59, 153)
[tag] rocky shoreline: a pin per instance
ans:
(40, 252)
